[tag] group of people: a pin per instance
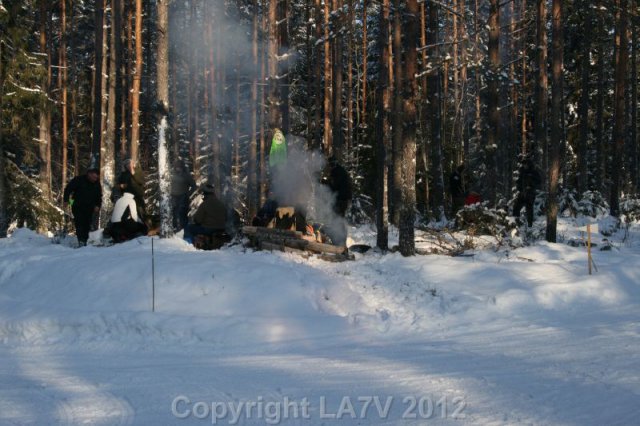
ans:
(129, 217)
(527, 183)
(83, 195)
(330, 216)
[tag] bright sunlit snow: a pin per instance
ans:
(499, 336)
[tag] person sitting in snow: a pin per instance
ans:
(266, 213)
(210, 219)
(131, 180)
(125, 222)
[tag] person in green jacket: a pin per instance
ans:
(278, 151)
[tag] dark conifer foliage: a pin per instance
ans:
(401, 92)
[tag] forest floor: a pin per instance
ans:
(498, 336)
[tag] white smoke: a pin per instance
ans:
(298, 184)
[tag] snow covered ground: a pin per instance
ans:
(504, 336)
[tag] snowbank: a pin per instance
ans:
(522, 336)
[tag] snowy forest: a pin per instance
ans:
(400, 92)
(478, 262)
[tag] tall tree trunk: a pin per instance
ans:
(542, 84)
(338, 134)
(284, 63)
(105, 81)
(349, 136)
(44, 138)
(126, 48)
(137, 78)
(507, 164)
(148, 97)
(434, 104)
(493, 114)
(164, 178)
(318, 91)
(118, 10)
(456, 137)
(382, 131)
(192, 97)
(274, 101)
(411, 98)
(4, 218)
(309, 70)
(365, 41)
(108, 151)
(525, 94)
(556, 125)
(583, 112)
(478, 81)
(634, 153)
(97, 87)
(395, 203)
(261, 120)
(217, 94)
(206, 132)
(252, 189)
(64, 96)
(73, 117)
(601, 149)
(423, 156)
(464, 79)
(622, 58)
(327, 137)
(237, 165)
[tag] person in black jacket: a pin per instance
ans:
(527, 184)
(339, 182)
(457, 189)
(132, 180)
(182, 186)
(84, 195)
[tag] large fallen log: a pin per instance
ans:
(271, 246)
(259, 230)
(314, 246)
(294, 242)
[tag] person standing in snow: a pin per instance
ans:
(527, 183)
(337, 179)
(84, 195)
(278, 151)
(125, 223)
(132, 179)
(211, 216)
(339, 182)
(457, 189)
(182, 185)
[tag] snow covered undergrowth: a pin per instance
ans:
(520, 336)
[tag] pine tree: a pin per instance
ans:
(556, 125)
(382, 130)
(407, 214)
(622, 57)
(4, 219)
(166, 220)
